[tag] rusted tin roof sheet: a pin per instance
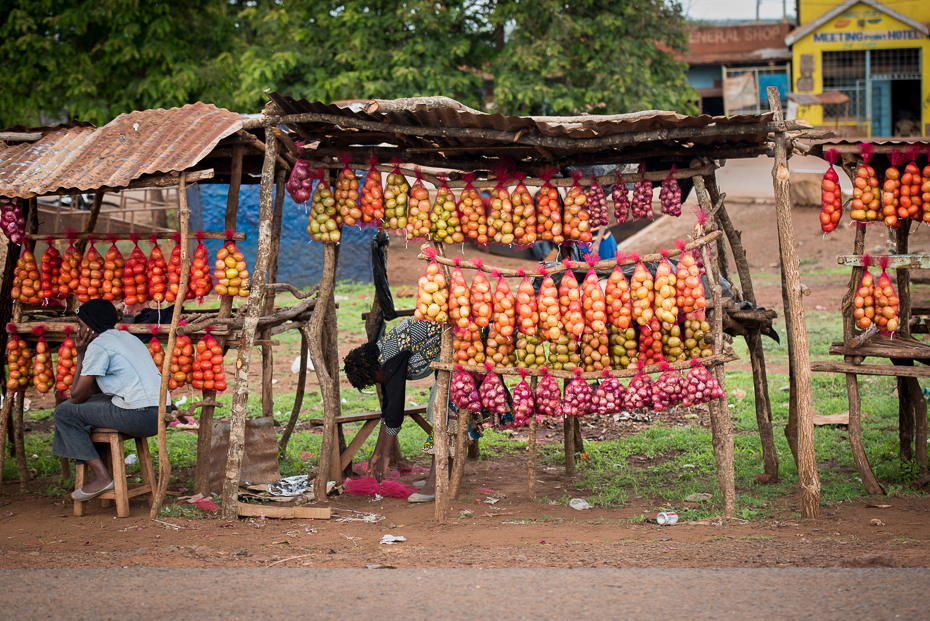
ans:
(131, 145)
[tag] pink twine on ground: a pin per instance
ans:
(369, 487)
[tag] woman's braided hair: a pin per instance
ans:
(361, 365)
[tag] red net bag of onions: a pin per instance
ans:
(886, 301)
(597, 203)
(577, 401)
(42, 377)
(642, 196)
(156, 272)
(577, 218)
(864, 300)
(472, 213)
(446, 226)
(300, 183)
(492, 392)
(482, 301)
(500, 209)
(418, 208)
(668, 390)
(50, 271)
(524, 214)
(64, 365)
(324, 224)
(463, 393)
(621, 198)
(12, 222)
(549, 208)
(700, 386)
(432, 294)
(548, 395)
(608, 396)
(523, 403)
(639, 392)
(135, 283)
(396, 199)
(547, 305)
(670, 195)
(372, 195)
(570, 305)
(347, 194)
(459, 297)
(831, 202)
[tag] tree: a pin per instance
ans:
(94, 59)
(596, 56)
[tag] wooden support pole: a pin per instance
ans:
(568, 439)
(905, 399)
(205, 432)
(164, 465)
(461, 454)
(240, 402)
(440, 437)
(19, 439)
(860, 458)
(268, 308)
(809, 478)
(299, 395)
(6, 426)
(531, 451)
(331, 405)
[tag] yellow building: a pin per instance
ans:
(874, 52)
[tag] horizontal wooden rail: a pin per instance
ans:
(899, 261)
(104, 237)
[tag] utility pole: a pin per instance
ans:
(758, 5)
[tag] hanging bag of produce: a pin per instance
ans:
(492, 393)
(472, 213)
(135, 282)
(396, 199)
(445, 226)
(18, 361)
(925, 189)
(324, 224)
(500, 209)
(42, 377)
(608, 396)
(864, 300)
(90, 285)
(347, 194)
(689, 289)
(459, 298)
(910, 184)
(670, 195)
(595, 352)
(505, 314)
(232, 277)
(432, 293)
(592, 296)
(174, 272)
(570, 305)
(548, 395)
(64, 365)
(527, 308)
(621, 197)
(463, 393)
(668, 390)
(642, 196)
(665, 291)
(114, 266)
(50, 272)
(13, 223)
(27, 283)
(866, 204)
(200, 283)
(639, 392)
(524, 406)
(886, 301)
(209, 362)
(642, 292)
(650, 343)
(70, 277)
(547, 305)
(418, 212)
(500, 350)
(155, 347)
(549, 225)
(700, 386)
(577, 218)
(596, 201)
(300, 182)
(892, 210)
(831, 200)
(577, 401)
(157, 272)
(482, 301)
(524, 214)
(617, 297)
(372, 198)
(467, 345)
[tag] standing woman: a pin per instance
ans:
(116, 386)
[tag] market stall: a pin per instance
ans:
(441, 133)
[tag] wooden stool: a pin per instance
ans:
(115, 461)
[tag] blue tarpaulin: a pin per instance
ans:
(300, 261)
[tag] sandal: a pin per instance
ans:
(80, 494)
(418, 497)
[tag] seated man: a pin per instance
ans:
(116, 387)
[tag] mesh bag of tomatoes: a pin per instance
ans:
(445, 224)
(549, 208)
(831, 203)
(70, 276)
(500, 209)
(42, 377)
(372, 195)
(19, 362)
(866, 202)
(208, 366)
(135, 282)
(472, 212)
(396, 199)
(347, 194)
(577, 218)
(156, 272)
(182, 359)
(172, 293)
(64, 365)
(200, 282)
(232, 277)
(418, 211)
(27, 286)
(50, 271)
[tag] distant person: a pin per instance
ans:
(906, 125)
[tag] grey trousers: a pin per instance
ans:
(74, 422)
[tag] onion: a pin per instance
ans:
(608, 398)
(462, 391)
(597, 203)
(621, 198)
(523, 402)
(670, 196)
(492, 393)
(639, 392)
(700, 386)
(642, 197)
(577, 396)
(548, 396)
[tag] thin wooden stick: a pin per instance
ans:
(6, 413)
(214, 235)
(331, 405)
(299, 395)
(268, 308)
(531, 450)
(440, 414)
(807, 460)
(19, 441)
(607, 264)
(164, 465)
(240, 403)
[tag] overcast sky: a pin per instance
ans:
(735, 9)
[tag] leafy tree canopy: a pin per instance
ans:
(95, 59)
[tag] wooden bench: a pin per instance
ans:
(347, 453)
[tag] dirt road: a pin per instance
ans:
(460, 593)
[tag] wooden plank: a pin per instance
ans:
(407, 312)
(886, 370)
(349, 453)
(354, 418)
(214, 235)
(902, 261)
(284, 513)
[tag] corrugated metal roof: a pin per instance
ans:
(591, 126)
(128, 147)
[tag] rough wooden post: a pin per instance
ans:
(440, 437)
(6, 426)
(205, 432)
(164, 466)
(299, 395)
(461, 453)
(753, 337)
(331, 405)
(808, 476)
(240, 402)
(531, 451)
(268, 307)
(568, 439)
(19, 438)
